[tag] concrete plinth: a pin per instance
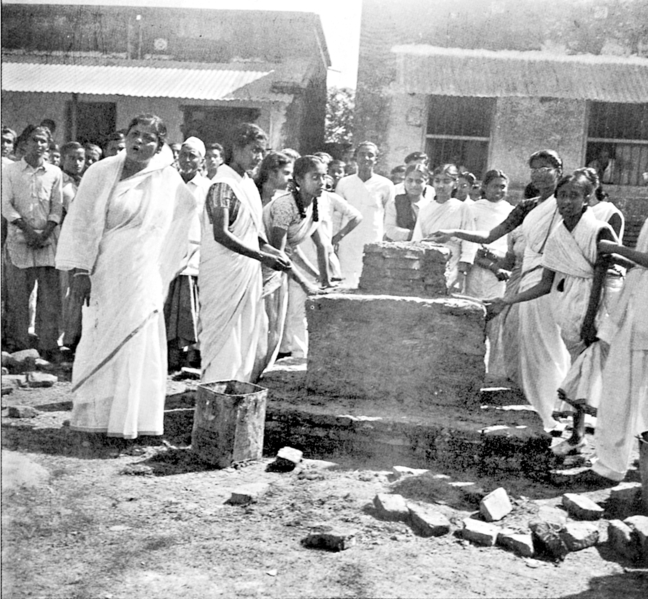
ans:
(411, 351)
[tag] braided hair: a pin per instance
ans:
(303, 166)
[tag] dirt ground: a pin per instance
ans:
(82, 520)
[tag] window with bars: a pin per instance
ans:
(458, 131)
(617, 142)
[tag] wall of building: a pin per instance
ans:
(406, 131)
(522, 126)
(20, 109)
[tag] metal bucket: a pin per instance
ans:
(229, 421)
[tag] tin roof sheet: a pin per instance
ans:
(483, 73)
(199, 82)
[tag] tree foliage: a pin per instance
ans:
(340, 106)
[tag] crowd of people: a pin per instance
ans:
(143, 257)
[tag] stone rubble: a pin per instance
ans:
(427, 521)
(41, 379)
(481, 533)
(495, 505)
(391, 507)
(248, 494)
(519, 543)
(580, 535)
(581, 507)
(333, 540)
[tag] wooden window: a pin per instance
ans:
(458, 131)
(617, 142)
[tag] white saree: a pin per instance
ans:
(132, 235)
(572, 256)
(451, 214)
(232, 320)
(623, 411)
(482, 283)
(544, 360)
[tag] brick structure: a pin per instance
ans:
(404, 269)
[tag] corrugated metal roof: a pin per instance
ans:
(484, 73)
(142, 81)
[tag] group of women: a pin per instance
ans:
(126, 238)
(564, 305)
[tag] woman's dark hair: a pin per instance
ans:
(449, 170)
(583, 177)
(592, 175)
(214, 146)
(272, 162)
(549, 155)
(468, 177)
(419, 168)
(247, 133)
(303, 166)
(416, 156)
(494, 173)
(54, 147)
(153, 120)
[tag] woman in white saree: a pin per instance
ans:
(543, 358)
(233, 247)
(573, 277)
(124, 240)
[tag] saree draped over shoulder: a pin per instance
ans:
(451, 214)
(481, 282)
(278, 290)
(232, 320)
(544, 360)
(572, 256)
(623, 411)
(132, 235)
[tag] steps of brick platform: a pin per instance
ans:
(500, 437)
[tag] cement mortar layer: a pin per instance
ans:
(412, 352)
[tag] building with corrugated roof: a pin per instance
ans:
(92, 68)
(503, 95)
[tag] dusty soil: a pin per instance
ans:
(85, 520)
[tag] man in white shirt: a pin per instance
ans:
(32, 204)
(368, 193)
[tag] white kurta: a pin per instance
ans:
(623, 411)
(451, 214)
(370, 198)
(132, 235)
(481, 282)
(544, 360)
(232, 319)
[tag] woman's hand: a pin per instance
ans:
(495, 306)
(277, 261)
(501, 274)
(439, 237)
(607, 247)
(588, 333)
(81, 287)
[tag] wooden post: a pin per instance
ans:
(74, 117)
